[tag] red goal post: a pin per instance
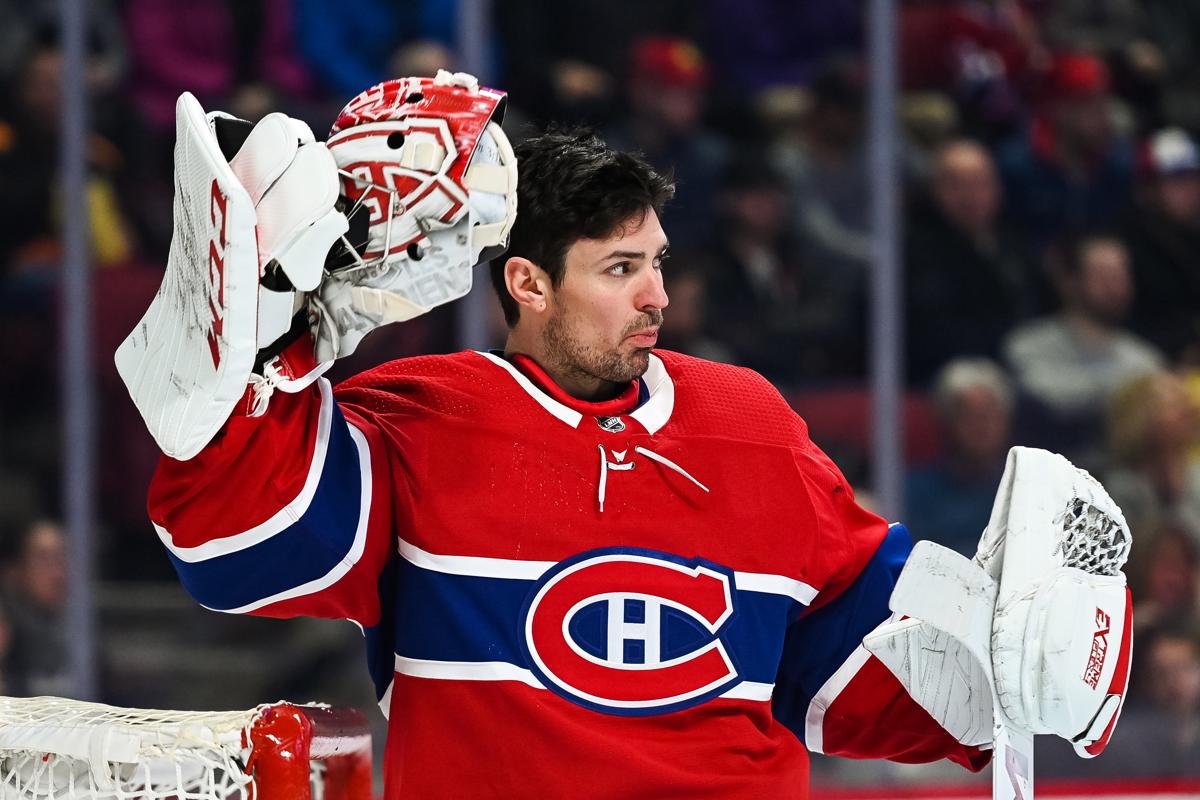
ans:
(54, 747)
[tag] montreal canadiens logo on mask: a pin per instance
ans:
(631, 631)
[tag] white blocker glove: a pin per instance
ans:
(251, 235)
(1038, 622)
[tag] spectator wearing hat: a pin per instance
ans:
(570, 67)
(1070, 171)
(1164, 240)
(667, 81)
(980, 55)
(968, 274)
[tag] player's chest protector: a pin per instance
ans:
(632, 564)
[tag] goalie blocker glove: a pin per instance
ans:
(250, 236)
(427, 190)
(1039, 622)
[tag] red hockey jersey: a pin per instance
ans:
(658, 596)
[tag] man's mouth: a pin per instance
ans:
(647, 337)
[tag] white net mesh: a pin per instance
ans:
(1091, 539)
(55, 749)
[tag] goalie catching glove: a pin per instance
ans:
(1039, 622)
(277, 235)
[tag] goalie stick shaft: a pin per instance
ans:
(1012, 760)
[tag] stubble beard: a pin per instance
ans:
(582, 361)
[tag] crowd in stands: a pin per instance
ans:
(1051, 202)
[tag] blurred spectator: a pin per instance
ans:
(981, 54)
(1161, 738)
(1164, 241)
(968, 277)
(1068, 364)
(1070, 171)
(667, 80)
(29, 159)
(422, 57)
(353, 45)
(216, 50)
(949, 501)
(1152, 428)
(25, 23)
(36, 600)
(757, 44)
(763, 303)
(1100, 26)
(827, 173)
(1175, 31)
(686, 327)
(1163, 576)
(572, 68)
(929, 121)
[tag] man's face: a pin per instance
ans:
(966, 187)
(1106, 288)
(979, 428)
(1179, 197)
(44, 567)
(1176, 670)
(605, 315)
(1083, 122)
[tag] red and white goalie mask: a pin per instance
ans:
(429, 184)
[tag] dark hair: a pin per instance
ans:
(572, 186)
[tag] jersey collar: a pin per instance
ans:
(652, 414)
(623, 403)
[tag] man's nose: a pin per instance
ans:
(653, 293)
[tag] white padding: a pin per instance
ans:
(187, 361)
(938, 644)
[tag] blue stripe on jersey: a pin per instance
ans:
(820, 642)
(306, 550)
(449, 617)
(381, 661)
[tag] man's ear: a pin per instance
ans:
(528, 284)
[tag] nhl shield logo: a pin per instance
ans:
(611, 424)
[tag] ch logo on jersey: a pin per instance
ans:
(631, 631)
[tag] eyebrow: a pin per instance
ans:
(634, 254)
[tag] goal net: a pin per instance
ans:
(57, 749)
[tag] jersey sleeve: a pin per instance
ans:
(287, 514)
(833, 694)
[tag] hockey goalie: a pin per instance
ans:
(583, 566)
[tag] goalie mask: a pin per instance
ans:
(429, 184)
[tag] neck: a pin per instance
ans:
(1090, 330)
(568, 377)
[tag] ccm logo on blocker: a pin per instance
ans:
(630, 631)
